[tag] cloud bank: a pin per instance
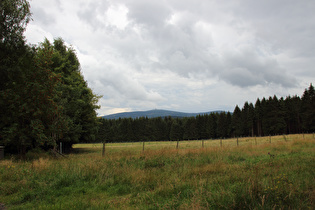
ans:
(183, 55)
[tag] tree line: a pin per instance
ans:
(271, 116)
(44, 98)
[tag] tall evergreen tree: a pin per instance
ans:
(190, 128)
(126, 130)
(258, 118)
(201, 126)
(248, 119)
(212, 126)
(293, 114)
(229, 124)
(265, 116)
(222, 125)
(273, 121)
(104, 130)
(237, 124)
(160, 129)
(308, 109)
(176, 132)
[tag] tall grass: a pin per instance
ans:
(194, 144)
(227, 177)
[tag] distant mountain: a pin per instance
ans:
(155, 113)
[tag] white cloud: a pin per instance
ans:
(35, 34)
(117, 16)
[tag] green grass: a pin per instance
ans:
(163, 177)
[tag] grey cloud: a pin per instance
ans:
(131, 89)
(91, 11)
(183, 55)
(45, 11)
(149, 13)
(249, 69)
(181, 51)
(288, 25)
(119, 83)
(241, 77)
(42, 16)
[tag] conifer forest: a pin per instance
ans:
(271, 116)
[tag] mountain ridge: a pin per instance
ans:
(155, 113)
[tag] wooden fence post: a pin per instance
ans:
(270, 139)
(143, 147)
(103, 151)
(60, 147)
(177, 145)
(255, 141)
(237, 141)
(203, 145)
(285, 138)
(221, 142)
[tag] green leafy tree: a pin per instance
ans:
(77, 99)
(29, 116)
(47, 121)
(15, 15)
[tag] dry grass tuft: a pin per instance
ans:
(41, 164)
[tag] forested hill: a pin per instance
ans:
(155, 113)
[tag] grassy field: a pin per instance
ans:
(256, 174)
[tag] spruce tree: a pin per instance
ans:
(308, 109)
(237, 123)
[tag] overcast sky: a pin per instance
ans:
(184, 55)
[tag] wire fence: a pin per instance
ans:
(191, 144)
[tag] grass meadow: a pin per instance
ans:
(256, 174)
